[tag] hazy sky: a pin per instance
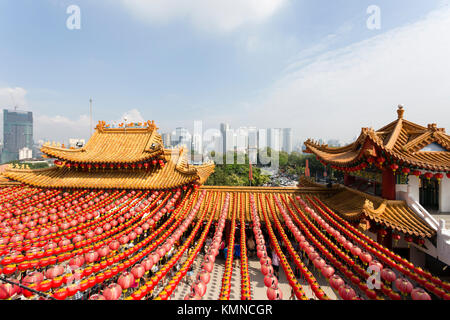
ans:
(311, 65)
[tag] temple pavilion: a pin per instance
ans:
(119, 158)
(397, 180)
(124, 218)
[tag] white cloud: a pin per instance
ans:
(133, 115)
(60, 128)
(340, 91)
(217, 15)
(12, 97)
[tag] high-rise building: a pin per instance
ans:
(253, 145)
(287, 140)
(274, 139)
(242, 140)
(262, 139)
(167, 141)
(17, 133)
(224, 127)
(181, 136)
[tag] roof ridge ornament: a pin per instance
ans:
(400, 111)
(100, 126)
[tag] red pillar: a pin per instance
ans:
(385, 241)
(388, 184)
(348, 179)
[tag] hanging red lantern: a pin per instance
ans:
(336, 282)
(403, 285)
(381, 160)
(346, 292)
(448, 175)
(420, 294)
(394, 167)
(388, 275)
(417, 173)
(126, 280)
(111, 166)
(428, 175)
(439, 176)
(406, 171)
(112, 292)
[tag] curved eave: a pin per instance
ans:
(165, 178)
(369, 138)
(399, 218)
(65, 155)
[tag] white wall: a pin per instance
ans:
(414, 186)
(400, 188)
(444, 195)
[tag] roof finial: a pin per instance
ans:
(400, 111)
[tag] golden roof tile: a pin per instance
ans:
(401, 139)
(113, 145)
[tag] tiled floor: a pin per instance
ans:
(256, 279)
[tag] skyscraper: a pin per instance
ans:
(262, 139)
(252, 145)
(167, 141)
(274, 139)
(287, 140)
(224, 127)
(17, 133)
(181, 136)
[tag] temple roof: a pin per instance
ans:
(113, 145)
(176, 172)
(354, 205)
(401, 139)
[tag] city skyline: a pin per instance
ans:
(286, 67)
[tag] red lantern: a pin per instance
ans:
(417, 173)
(408, 238)
(381, 160)
(126, 280)
(420, 294)
(394, 167)
(138, 271)
(112, 292)
(406, 171)
(403, 285)
(336, 282)
(347, 293)
(327, 271)
(428, 175)
(388, 275)
(439, 176)
(274, 294)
